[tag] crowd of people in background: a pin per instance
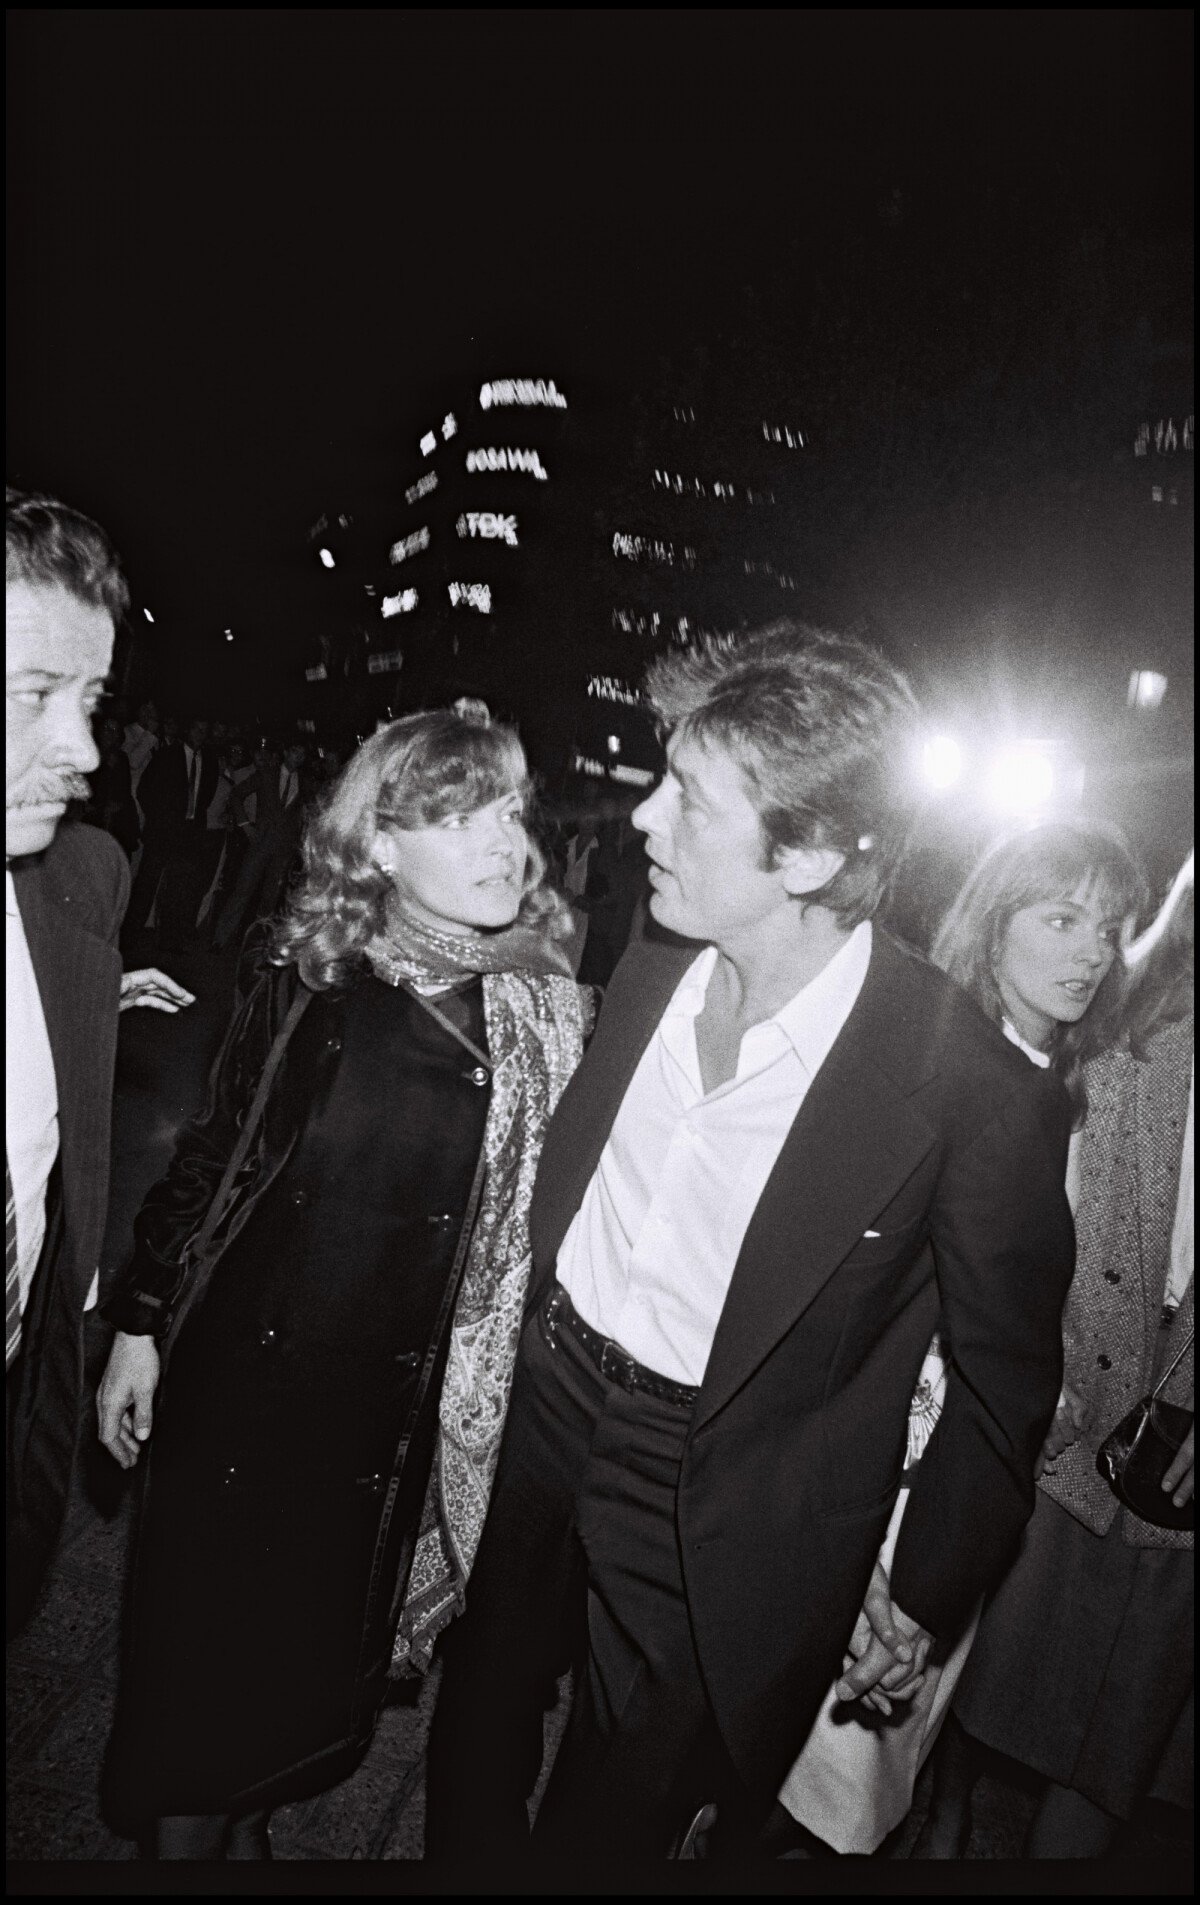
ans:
(757, 1353)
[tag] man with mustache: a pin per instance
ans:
(792, 1149)
(66, 885)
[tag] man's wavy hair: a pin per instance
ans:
(1054, 861)
(411, 773)
(49, 545)
(823, 729)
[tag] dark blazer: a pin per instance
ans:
(72, 898)
(163, 788)
(926, 1126)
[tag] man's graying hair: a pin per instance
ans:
(49, 545)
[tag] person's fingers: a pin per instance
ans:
(865, 1672)
(1181, 1465)
(877, 1606)
(143, 1415)
(158, 1004)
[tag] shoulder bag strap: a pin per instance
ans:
(447, 1025)
(1173, 1365)
(245, 1138)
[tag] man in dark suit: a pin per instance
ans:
(792, 1150)
(65, 892)
(278, 791)
(174, 794)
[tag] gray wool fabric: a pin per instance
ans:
(1113, 1343)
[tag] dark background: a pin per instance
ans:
(253, 254)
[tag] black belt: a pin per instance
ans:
(613, 1362)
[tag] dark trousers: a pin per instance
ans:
(173, 871)
(579, 1562)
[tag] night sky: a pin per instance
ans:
(249, 249)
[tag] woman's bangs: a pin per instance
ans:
(456, 777)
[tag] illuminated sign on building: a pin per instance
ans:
(518, 462)
(648, 549)
(319, 673)
(775, 433)
(409, 545)
(528, 391)
(402, 604)
(491, 527)
(388, 661)
(449, 426)
(633, 776)
(692, 485)
(609, 688)
(471, 595)
(427, 483)
(1166, 437)
(429, 443)
(784, 580)
(584, 764)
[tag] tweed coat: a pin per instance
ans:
(1130, 1166)
(72, 899)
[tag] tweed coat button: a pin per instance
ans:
(267, 1338)
(1105, 1362)
(333, 1044)
(408, 1359)
(300, 1199)
(480, 1075)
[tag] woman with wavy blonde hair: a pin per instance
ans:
(318, 1326)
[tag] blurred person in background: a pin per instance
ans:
(174, 794)
(1083, 1666)
(111, 804)
(65, 891)
(279, 792)
(362, 1174)
(1033, 936)
(140, 741)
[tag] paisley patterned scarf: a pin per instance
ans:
(537, 1018)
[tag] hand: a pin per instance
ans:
(124, 1402)
(1070, 1420)
(151, 987)
(888, 1651)
(1181, 1474)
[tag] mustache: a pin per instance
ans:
(66, 787)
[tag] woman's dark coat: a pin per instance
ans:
(297, 1415)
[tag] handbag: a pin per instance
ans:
(1136, 1455)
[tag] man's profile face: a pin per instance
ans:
(705, 844)
(57, 655)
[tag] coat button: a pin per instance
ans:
(444, 1222)
(333, 1044)
(408, 1359)
(267, 1339)
(300, 1199)
(480, 1075)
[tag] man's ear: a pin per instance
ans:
(808, 869)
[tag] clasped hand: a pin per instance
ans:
(888, 1651)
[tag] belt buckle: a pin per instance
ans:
(618, 1365)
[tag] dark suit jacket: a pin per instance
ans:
(163, 788)
(72, 898)
(925, 1125)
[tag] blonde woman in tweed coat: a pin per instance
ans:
(1082, 1668)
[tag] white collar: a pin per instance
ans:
(813, 1017)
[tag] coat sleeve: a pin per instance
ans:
(1004, 1248)
(146, 1293)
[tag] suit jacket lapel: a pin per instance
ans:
(1162, 1096)
(75, 971)
(638, 996)
(854, 1142)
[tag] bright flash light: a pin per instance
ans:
(1021, 779)
(1146, 689)
(942, 761)
(326, 558)
(148, 616)
(228, 634)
